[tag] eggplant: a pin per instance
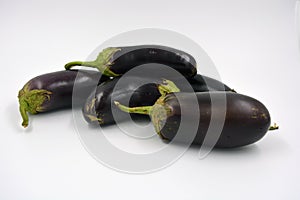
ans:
(99, 108)
(116, 61)
(201, 83)
(53, 91)
(246, 119)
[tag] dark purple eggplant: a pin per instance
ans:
(116, 61)
(246, 119)
(201, 83)
(99, 107)
(55, 90)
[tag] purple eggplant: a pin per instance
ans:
(246, 119)
(55, 90)
(201, 83)
(116, 61)
(99, 107)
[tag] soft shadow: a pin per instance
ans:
(249, 149)
(15, 120)
(195, 148)
(141, 121)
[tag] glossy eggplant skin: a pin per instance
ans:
(61, 84)
(129, 57)
(52, 91)
(116, 61)
(246, 120)
(201, 83)
(99, 105)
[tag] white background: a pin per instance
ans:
(254, 45)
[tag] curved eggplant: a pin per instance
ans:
(246, 119)
(115, 61)
(99, 108)
(55, 90)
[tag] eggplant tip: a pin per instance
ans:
(274, 127)
(25, 125)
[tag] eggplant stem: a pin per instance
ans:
(145, 110)
(31, 101)
(69, 65)
(274, 127)
(167, 87)
(23, 110)
(158, 113)
(164, 88)
(103, 62)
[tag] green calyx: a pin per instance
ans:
(158, 112)
(102, 63)
(31, 101)
(167, 87)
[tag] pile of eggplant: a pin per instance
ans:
(104, 101)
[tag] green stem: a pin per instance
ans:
(102, 63)
(164, 88)
(145, 110)
(23, 110)
(108, 72)
(158, 113)
(167, 87)
(69, 65)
